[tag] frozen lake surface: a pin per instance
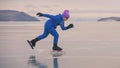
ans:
(88, 45)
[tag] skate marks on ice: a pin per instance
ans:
(55, 53)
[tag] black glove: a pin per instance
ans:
(70, 26)
(39, 14)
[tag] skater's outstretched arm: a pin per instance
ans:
(46, 15)
(65, 28)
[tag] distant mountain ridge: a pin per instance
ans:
(110, 19)
(13, 15)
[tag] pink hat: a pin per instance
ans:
(66, 14)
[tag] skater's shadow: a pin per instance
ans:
(33, 62)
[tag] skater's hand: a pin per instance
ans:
(70, 26)
(39, 14)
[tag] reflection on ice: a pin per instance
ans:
(35, 63)
(32, 60)
(55, 62)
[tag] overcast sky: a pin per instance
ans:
(56, 6)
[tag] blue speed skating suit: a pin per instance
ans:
(51, 25)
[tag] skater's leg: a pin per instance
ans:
(45, 34)
(55, 34)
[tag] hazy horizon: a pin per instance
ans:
(78, 8)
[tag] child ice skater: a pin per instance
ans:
(50, 28)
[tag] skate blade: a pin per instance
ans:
(30, 44)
